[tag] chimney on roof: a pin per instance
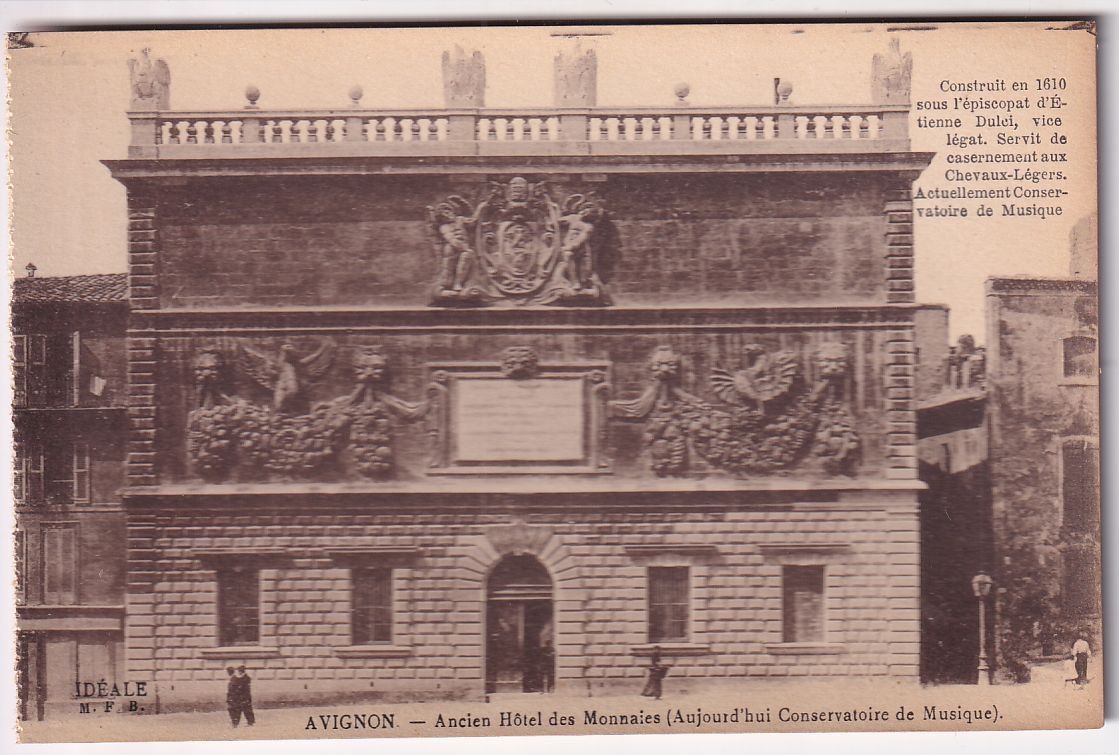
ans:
(30, 269)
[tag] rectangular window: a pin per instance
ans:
(58, 466)
(46, 367)
(668, 603)
(1079, 354)
(60, 564)
(803, 603)
(80, 460)
(28, 477)
(371, 621)
(238, 606)
(1080, 492)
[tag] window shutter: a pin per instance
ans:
(76, 368)
(81, 472)
(19, 473)
(59, 560)
(33, 475)
(36, 369)
(21, 565)
(19, 369)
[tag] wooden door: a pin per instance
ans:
(505, 646)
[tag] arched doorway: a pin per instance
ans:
(520, 655)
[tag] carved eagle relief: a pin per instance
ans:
(764, 377)
(286, 375)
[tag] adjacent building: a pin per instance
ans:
(1043, 389)
(70, 392)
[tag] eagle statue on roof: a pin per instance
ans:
(151, 82)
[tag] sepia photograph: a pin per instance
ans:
(446, 381)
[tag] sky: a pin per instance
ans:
(70, 91)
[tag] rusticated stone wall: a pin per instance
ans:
(867, 543)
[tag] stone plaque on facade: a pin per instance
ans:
(502, 420)
(518, 415)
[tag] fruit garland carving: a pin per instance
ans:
(769, 421)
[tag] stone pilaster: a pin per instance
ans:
(901, 416)
(899, 246)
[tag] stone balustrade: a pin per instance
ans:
(253, 132)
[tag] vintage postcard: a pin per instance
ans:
(462, 381)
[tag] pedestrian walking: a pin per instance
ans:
(657, 672)
(239, 697)
(1080, 654)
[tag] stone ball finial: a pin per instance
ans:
(356, 93)
(682, 90)
(252, 94)
(784, 90)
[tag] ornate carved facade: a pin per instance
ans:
(772, 419)
(620, 367)
(519, 246)
(278, 440)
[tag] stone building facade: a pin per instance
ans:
(471, 401)
(1044, 443)
(69, 426)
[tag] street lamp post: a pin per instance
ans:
(981, 587)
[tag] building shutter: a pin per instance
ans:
(60, 564)
(19, 370)
(81, 472)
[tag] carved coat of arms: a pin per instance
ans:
(518, 246)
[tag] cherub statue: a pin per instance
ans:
(451, 221)
(151, 82)
(580, 213)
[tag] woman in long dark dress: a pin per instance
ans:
(657, 673)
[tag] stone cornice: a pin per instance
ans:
(569, 493)
(419, 320)
(852, 158)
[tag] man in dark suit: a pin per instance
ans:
(239, 697)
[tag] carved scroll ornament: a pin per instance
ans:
(226, 432)
(771, 420)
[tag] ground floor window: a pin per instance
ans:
(371, 621)
(668, 603)
(803, 603)
(238, 606)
